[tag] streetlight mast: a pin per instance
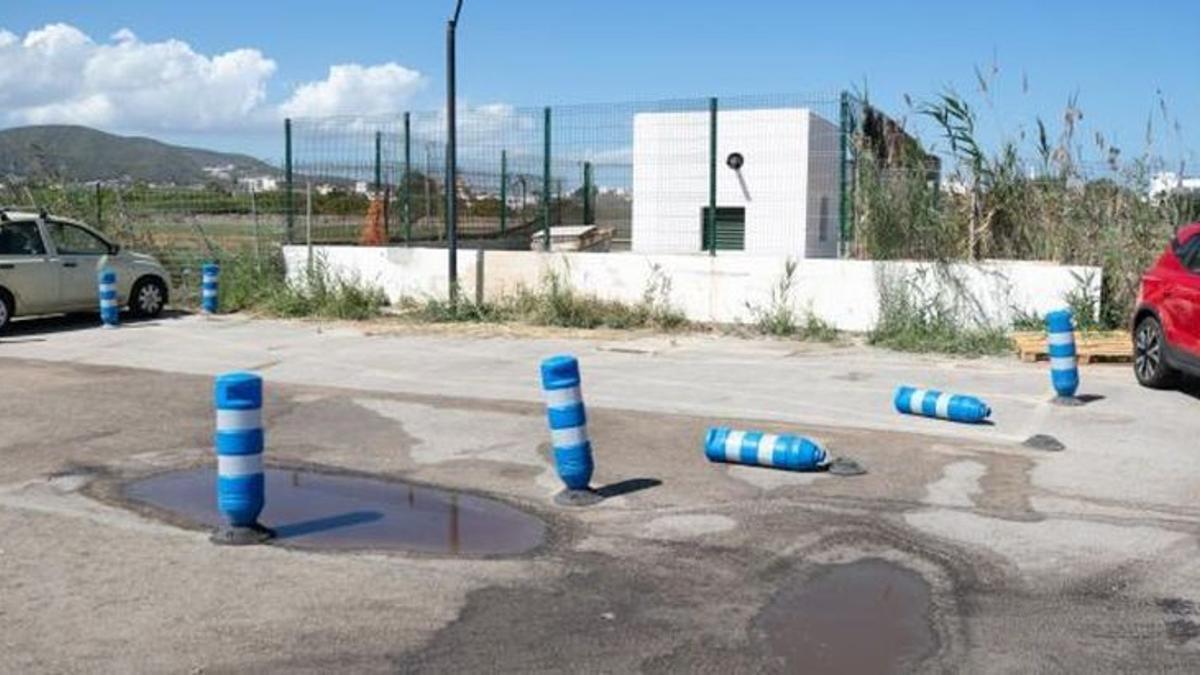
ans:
(452, 155)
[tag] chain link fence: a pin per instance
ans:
(771, 174)
(768, 174)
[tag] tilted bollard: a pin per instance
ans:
(930, 403)
(239, 444)
(110, 310)
(210, 274)
(1060, 342)
(777, 451)
(568, 429)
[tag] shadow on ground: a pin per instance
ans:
(27, 330)
(627, 487)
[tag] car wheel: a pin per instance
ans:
(1149, 362)
(7, 308)
(148, 298)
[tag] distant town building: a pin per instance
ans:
(259, 183)
(1169, 182)
(221, 172)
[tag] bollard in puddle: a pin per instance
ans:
(239, 445)
(210, 274)
(931, 403)
(568, 430)
(755, 448)
(110, 311)
(1060, 343)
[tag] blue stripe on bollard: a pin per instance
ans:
(239, 444)
(755, 448)
(110, 310)
(568, 421)
(210, 274)
(932, 403)
(1060, 342)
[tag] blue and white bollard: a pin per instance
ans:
(210, 274)
(930, 403)
(568, 430)
(239, 444)
(110, 310)
(1060, 342)
(777, 451)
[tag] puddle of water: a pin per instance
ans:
(324, 511)
(870, 616)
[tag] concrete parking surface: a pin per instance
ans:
(1030, 560)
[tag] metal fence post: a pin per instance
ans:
(546, 180)
(711, 221)
(588, 216)
(287, 177)
(503, 191)
(843, 189)
(407, 178)
(254, 222)
(378, 163)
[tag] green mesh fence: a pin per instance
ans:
(780, 171)
(645, 174)
(182, 227)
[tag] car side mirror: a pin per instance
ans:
(114, 249)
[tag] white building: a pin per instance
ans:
(1167, 182)
(259, 183)
(782, 201)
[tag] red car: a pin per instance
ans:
(1166, 325)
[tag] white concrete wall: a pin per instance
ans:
(789, 162)
(720, 289)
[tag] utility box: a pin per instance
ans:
(778, 182)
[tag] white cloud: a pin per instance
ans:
(355, 89)
(58, 74)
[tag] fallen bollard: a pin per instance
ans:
(568, 430)
(239, 446)
(110, 312)
(1060, 343)
(930, 403)
(210, 274)
(755, 448)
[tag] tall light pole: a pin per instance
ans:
(452, 155)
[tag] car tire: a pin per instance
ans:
(8, 307)
(1149, 356)
(148, 298)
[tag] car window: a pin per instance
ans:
(21, 239)
(1191, 254)
(72, 240)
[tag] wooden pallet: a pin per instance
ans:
(1092, 347)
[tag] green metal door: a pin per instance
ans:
(731, 228)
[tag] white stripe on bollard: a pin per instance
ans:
(942, 408)
(239, 420)
(561, 398)
(1062, 362)
(733, 446)
(233, 466)
(766, 449)
(565, 438)
(1060, 339)
(917, 401)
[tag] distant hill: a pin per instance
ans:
(79, 154)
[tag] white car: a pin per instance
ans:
(49, 265)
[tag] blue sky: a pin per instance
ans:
(1116, 55)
